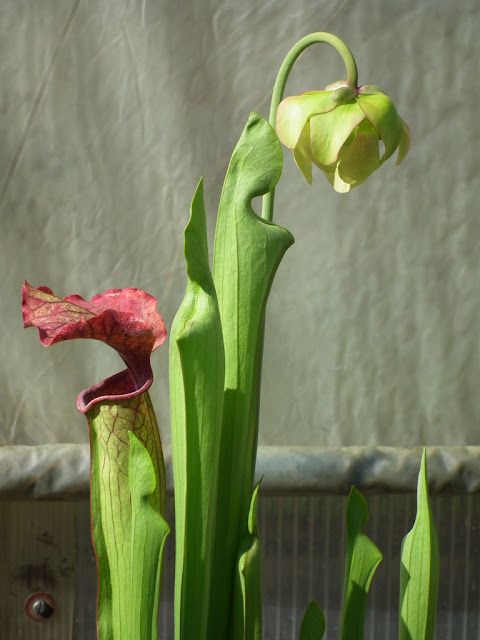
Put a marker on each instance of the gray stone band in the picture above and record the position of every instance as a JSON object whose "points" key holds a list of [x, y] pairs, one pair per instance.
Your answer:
{"points": [[61, 471]]}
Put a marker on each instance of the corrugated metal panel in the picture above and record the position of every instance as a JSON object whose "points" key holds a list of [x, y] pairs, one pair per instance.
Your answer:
{"points": [[46, 546]]}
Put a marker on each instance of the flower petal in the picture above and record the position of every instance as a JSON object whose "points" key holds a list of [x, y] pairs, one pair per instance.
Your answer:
{"points": [[329, 131], [405, 141], [293, 113], [302, 154], [361, 158], [125, 319], [336, 181], [382, 114], [371, 89]]}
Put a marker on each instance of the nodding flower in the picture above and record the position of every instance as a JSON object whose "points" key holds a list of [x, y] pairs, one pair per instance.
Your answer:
{"points": [[339, 130]]}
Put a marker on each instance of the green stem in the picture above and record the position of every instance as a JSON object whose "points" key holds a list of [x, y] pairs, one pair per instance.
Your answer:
{"points": [[281, 81]]}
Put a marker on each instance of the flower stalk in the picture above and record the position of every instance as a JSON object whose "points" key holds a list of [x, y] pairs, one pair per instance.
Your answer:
{"points": [[320, 37]]}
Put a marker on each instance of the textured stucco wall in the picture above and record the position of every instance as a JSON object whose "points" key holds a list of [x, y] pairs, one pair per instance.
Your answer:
{"points": [[110, 113]]}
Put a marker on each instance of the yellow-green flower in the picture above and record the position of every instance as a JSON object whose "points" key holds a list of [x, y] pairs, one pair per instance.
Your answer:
{"points": [[339, 130]]}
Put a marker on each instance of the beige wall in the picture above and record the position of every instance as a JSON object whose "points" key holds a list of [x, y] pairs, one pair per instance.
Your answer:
{"points": [[111, 111]]}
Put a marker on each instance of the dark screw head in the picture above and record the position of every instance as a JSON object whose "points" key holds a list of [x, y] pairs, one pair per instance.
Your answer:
{"points": [[39, 606]]}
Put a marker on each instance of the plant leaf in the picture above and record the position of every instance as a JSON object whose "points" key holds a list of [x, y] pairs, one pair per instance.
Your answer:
{"points": [[196, 392], [149, 532], [362, 559], [125, 319], [248, 597], [111, 511], [313, 623], [247, 253], [419, 569]]}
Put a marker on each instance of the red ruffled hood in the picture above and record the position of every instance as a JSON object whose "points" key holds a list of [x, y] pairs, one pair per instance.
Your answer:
{"points": [[125, 319]]}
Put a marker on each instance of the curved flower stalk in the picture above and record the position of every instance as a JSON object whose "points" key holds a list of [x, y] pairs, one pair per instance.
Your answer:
{"points": [[127, 490], [338, 129], [341, 130]]}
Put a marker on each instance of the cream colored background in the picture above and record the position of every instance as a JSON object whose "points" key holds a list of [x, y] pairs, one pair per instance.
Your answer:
{"points": [[110, 112]]}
